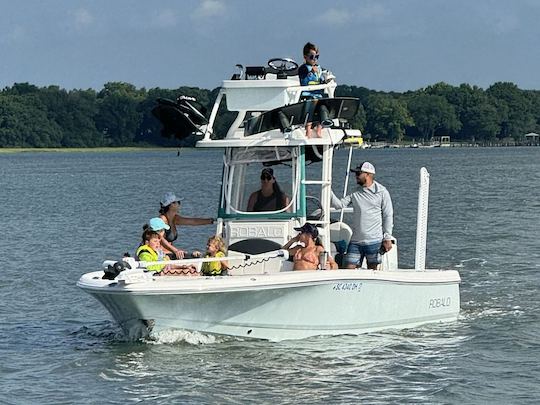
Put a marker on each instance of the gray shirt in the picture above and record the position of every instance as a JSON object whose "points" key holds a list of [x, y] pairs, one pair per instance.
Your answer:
{"points": [[373, 213]]}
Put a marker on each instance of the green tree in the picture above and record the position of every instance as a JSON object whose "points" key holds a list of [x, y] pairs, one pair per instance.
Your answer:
{"points": [[74, 112], [24, 123], [118, 115], [387, 117], [433, 113], [515, 108]]}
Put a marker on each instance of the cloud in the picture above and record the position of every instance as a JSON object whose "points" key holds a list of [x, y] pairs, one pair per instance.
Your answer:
{"points": [[373, 12], [335, 16], [82, 18], [209, 8], [369, 12], [165, 18]]}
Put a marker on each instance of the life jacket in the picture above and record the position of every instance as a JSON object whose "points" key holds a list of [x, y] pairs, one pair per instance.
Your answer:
{"points": [[212, 268], [146, 254]]}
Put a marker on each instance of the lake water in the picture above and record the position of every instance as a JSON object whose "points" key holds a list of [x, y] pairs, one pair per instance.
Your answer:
{"points": [[64, 213]]}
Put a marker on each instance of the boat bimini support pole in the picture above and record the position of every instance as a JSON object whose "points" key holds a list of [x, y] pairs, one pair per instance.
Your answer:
{"points": [[421, 222], [345, 188]]}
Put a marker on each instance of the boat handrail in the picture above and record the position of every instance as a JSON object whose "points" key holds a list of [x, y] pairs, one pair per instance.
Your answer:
{"points": [[282, 254]]}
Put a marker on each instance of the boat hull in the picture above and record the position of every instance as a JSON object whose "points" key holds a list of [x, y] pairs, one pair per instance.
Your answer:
{"points": [[292, 305]]}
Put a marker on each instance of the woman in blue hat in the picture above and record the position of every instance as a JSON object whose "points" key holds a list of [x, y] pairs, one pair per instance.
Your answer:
{"points": [[169, 212]]}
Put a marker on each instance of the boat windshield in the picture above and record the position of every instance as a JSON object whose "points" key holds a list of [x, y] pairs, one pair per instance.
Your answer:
{"points": [[261, 181]]}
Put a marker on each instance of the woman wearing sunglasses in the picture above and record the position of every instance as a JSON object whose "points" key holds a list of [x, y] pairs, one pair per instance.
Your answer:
{"points": [[269, 197], [310, 74]]}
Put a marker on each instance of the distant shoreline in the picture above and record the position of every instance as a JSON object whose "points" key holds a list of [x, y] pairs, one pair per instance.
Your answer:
{"points": [[176, 149], [99, 149]]}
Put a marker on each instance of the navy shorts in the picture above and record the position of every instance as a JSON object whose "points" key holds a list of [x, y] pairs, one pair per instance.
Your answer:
{"points": [[356, 253]]}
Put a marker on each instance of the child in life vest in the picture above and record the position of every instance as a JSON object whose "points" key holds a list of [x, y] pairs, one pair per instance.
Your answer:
{"points": [[310, 74], [151, 251], [215, 247]]}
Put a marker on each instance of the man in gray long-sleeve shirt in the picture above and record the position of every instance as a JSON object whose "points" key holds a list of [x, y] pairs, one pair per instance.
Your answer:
{"points": [[373, 218]]}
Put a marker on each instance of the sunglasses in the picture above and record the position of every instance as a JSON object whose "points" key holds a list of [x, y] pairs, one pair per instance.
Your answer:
{"points": [[266, 177], [313, 56]]}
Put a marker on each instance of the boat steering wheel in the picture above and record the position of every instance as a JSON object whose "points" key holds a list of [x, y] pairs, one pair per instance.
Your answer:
{"points": [[286, 66]]}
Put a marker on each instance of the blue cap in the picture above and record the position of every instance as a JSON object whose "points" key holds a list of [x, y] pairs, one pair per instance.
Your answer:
{"points": [[157, 224]]}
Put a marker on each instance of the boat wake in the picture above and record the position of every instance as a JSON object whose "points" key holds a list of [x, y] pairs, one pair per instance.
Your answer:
{"points": [[175, 336]]}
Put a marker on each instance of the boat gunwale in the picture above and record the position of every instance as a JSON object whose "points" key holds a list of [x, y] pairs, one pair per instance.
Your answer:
{"points": [[252, 282]]}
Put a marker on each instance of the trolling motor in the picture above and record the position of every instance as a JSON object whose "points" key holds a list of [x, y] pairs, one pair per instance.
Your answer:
{"points": [[112, 271]]}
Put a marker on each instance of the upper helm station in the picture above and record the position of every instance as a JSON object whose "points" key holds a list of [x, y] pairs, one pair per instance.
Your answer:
{"points": [[269, 131]]}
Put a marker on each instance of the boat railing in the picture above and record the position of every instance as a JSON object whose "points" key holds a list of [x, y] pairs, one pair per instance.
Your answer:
{"points": [[259, 95], [281, 253], [129, 270]]}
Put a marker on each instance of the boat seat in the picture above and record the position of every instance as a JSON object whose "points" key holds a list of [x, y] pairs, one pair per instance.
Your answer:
{"points": [[340, 236], [254, 246]]}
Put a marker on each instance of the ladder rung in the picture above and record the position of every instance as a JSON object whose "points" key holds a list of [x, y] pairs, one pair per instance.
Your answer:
{"points": [[316, 182], [319, 222]]}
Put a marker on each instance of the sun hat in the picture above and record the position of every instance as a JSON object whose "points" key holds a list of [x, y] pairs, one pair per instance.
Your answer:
{"points": [[309, 229], [157, 224], [365, 167], [169, 198]]}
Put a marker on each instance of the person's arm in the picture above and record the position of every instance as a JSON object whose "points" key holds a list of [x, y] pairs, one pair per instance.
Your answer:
{"points": [[387, 220], [224, 263], [387, 215], [340, 203], [332, 262], [168, 246], [287, 246], [179, 220]]}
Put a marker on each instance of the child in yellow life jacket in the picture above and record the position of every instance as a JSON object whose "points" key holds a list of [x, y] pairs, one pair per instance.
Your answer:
{"points": [[215, 247], [151, 251]]}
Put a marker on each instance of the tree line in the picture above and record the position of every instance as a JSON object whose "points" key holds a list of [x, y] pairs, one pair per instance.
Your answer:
{"points": [[120, 114]]}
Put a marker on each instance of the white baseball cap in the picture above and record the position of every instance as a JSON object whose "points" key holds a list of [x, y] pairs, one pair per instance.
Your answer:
{"points": [[169, 198], [365, 167]]}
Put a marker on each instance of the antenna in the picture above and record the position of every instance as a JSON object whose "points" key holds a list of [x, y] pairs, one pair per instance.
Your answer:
{"points": [[421, 222]]}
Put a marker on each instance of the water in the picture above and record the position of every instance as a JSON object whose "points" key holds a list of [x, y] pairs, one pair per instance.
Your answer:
{"points": [[62, 214]]}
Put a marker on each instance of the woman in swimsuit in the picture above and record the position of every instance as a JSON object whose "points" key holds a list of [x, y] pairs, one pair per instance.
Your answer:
{"points": [[170, 214], [269, 197], [306, 257]]}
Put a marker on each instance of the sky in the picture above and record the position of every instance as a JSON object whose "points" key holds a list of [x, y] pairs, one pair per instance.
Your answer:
{"points": [[386, 45]]}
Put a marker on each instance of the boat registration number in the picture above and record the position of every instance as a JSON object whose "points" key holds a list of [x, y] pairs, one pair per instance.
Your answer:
{"points": [[351, 286]]}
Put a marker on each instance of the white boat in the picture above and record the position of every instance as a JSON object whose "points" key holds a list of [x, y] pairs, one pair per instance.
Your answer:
{"points": [[262, 297]]}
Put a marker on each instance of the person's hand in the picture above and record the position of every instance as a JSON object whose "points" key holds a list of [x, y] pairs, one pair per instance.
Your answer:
{"points": [[179, 254], [387, 244]]}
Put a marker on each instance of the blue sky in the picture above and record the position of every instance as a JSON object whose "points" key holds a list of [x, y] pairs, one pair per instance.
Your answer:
{"points": [[384, 45]]}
